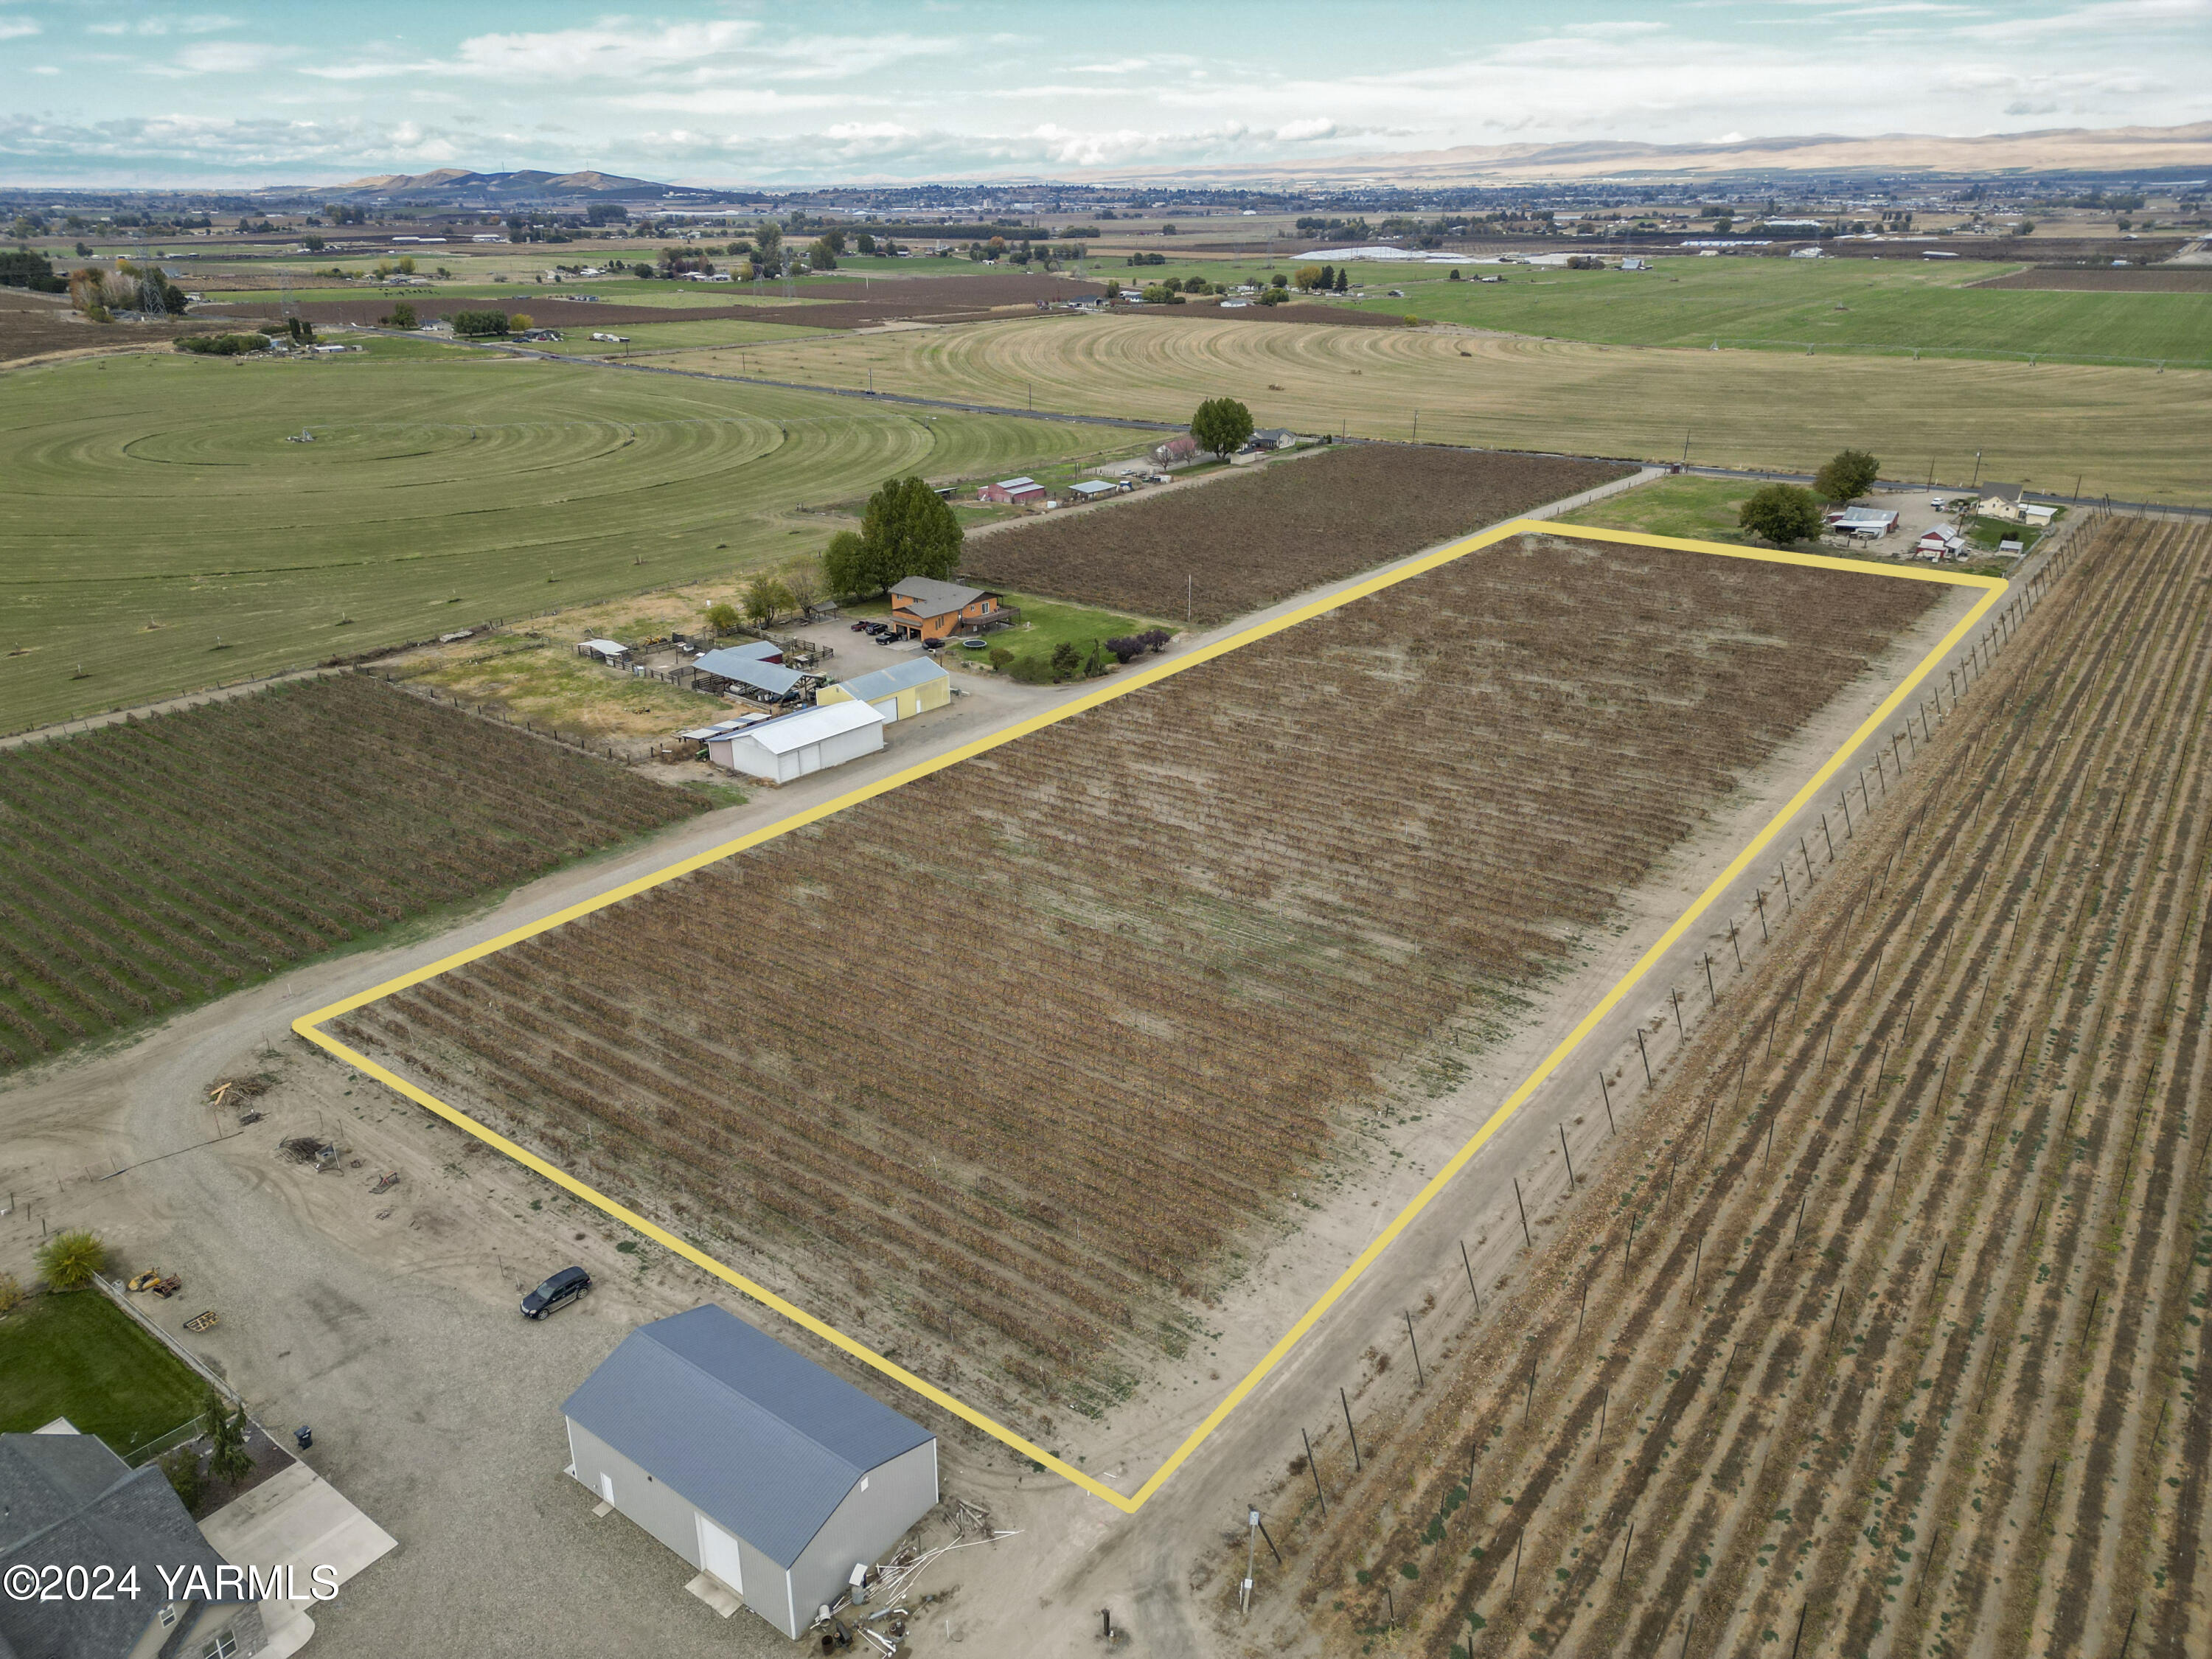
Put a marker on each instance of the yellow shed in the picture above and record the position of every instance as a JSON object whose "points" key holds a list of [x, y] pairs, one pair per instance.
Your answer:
{"points": [[897, 693]]}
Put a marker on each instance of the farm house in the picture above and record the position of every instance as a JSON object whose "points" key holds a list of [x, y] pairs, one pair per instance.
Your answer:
{"points": [[750, 1462], [926, 609], [792, 745], [899, 692]]}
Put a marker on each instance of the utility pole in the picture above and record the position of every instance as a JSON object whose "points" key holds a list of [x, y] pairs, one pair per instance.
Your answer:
{"points": [[1251, 1550]]}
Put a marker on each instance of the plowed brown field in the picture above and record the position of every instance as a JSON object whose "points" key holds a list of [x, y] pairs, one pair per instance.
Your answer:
{"points": [[1242, 542], [999, 1071], [1892, 1314]]}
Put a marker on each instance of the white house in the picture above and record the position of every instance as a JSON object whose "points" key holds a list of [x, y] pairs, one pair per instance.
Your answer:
{"points": [[790, 746]]}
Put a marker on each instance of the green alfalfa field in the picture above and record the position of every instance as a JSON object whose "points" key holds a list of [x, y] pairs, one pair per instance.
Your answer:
{"points": [[159, 531]]}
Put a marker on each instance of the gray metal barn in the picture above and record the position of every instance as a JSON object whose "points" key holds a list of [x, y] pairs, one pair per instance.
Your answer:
{"points": [[749, 1460]]}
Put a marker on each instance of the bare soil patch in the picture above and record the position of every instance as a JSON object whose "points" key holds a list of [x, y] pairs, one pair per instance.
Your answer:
{"points": [[1155, 971], [932, 299], [1242, 543], [2107, 280], [43, 326]]}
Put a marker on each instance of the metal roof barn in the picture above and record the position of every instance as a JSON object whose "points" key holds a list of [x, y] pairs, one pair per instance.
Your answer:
{"points": [[750, 1460], [750, 672], [792, 745]]}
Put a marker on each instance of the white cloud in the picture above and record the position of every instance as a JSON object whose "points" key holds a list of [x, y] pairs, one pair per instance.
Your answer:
{"points": [[17, 28], [1304, 132], [220, 57], [603, 50], [2119, 18]]}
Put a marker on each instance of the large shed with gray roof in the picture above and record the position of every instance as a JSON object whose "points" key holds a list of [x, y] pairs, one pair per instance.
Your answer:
{"points": [[750, 1462]]}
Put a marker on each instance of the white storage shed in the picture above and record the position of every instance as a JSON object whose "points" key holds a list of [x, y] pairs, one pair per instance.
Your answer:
{"points": [[791, 745], [750, 1462]]}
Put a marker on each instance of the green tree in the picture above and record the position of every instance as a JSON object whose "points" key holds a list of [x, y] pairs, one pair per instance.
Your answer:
{"points": [[182, 1466], [401, 316], [1067, 661], [845, 566], [766, 598], [1221, 425], [70, 1260], [909, 530], [1343, 278], [1307, 277], [723, 618], [1781, 514], [821, 256], [229, 1456], [1848, 475]]}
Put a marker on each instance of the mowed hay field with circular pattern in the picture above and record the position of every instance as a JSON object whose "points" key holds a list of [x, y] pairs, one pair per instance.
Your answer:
{"points": [[159, 534], [2134, 433]]}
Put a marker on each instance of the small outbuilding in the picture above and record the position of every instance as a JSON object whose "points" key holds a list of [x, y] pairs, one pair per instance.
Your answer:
{"points": [[1093, 490], [899, 692], [752, 651], [752, 680], [606, 651], [790, 746], [750, 1462], [1862, 521]]}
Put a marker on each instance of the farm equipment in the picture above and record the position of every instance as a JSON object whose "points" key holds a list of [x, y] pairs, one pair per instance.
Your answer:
{"points": [[205, 1321], [386, 1182], [164, 1285]]}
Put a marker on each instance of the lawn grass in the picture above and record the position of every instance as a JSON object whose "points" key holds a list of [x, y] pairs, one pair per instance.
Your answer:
{"points": [[1987, 533], [1047, 623], [1696, 509], [81, 1357], [159, 534]]}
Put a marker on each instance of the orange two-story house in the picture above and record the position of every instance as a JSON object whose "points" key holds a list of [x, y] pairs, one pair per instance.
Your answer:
{"points": [[923, 608]]}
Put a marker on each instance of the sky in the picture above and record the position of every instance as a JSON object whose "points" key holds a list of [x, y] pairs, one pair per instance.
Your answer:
{"points": [[259, 92]]}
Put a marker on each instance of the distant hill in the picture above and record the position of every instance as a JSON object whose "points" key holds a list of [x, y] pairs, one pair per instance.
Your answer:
{"points": [[2057, 149], [456, 187]]}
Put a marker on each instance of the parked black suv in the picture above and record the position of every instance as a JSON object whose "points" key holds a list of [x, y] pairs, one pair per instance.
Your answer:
{"points": [[555, 1293]]}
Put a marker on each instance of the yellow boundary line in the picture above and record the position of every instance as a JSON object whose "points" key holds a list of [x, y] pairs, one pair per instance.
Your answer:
{"points": [[309, 1026]]}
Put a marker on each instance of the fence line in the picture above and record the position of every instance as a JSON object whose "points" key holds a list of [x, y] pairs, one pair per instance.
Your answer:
{"points": [[118, 1296]]}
